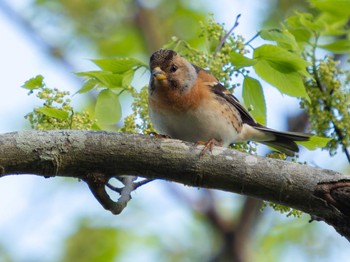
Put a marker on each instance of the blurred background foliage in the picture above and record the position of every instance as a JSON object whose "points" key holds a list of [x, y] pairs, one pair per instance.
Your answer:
{"points": [[110, 28], [194, 225]]}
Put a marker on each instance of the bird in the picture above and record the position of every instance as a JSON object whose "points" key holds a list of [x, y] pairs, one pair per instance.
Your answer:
{"points": [[187, 102]]}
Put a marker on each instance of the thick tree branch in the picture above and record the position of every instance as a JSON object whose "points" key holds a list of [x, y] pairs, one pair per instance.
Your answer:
{"points": [[324, 194]]}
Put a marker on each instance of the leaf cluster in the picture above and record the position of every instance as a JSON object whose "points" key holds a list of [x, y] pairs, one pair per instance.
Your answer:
{"points": [[56, 111], [111, 81]]}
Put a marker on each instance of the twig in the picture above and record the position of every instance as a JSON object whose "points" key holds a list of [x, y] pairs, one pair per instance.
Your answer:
{"points": [[143, 182], [249, 41], [125, 194], [223, 39], [98, 182], [116, 189]]}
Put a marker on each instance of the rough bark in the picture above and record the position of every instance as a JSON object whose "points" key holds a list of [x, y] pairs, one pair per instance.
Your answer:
{"points": [[95, 157]]}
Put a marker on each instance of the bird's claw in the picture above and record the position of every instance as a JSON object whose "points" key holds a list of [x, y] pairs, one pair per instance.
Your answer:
{"points": [[208, 145]]}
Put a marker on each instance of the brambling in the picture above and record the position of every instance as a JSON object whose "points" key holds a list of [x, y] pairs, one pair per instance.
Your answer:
{"points": [[186, 102]]}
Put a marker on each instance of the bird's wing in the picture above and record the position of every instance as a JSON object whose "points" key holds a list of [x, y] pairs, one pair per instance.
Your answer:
{"points": [[219, 90]]}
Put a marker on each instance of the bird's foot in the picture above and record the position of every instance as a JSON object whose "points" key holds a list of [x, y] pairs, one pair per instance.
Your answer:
{"points": [[208, 145]]}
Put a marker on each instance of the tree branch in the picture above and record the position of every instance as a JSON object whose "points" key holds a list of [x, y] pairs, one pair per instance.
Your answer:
{"points": [[95, 157]]}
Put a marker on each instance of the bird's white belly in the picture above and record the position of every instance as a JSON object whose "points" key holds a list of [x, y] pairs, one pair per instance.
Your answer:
{"points": [[200, 124]]}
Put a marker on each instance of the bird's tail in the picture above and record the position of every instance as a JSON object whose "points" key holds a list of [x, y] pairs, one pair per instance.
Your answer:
{"points": [[282, 141]]}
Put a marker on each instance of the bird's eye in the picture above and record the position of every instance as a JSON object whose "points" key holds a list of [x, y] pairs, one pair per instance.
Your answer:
{"points": [[173, 68]]}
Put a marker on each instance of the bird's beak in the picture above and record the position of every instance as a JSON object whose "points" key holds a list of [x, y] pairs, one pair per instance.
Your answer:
{"points": [[158, 74]]}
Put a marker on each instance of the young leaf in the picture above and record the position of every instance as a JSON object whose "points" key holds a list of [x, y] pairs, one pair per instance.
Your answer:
{"points": [[253, 97], [301, 33], [336, 7], [89, 85], [281, 59], [315, 142], [341, 46], [106, 79], [34, 83], [118, 65], [333, 25], [282, 37], [307, 20], [239, 60], [107, 109], [54, 112], [289, 83], [127, 77]]}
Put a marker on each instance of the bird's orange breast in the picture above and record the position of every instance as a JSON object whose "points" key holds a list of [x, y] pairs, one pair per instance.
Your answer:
{"points": [[165, 98]]}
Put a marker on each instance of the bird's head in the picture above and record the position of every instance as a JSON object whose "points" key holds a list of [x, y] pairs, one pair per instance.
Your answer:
{"points": [[172, 71]]}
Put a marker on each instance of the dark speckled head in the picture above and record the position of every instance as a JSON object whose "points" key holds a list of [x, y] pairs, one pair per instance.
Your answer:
{"points": [[171, 71], [162, 58]]}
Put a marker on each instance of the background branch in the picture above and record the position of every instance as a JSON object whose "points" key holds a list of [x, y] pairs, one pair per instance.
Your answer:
{"points": [[80, 154], [33, 35]]}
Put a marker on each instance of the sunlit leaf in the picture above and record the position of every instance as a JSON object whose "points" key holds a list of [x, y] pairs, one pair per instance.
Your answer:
{"points": [[282, 69], [127, 77], [301, 35], [337, 7], [106, 79], [253, 97], [108, 108], [239, 60], [282, 37], [339, 47], [118, 65], [89, 85], [314, 142], [307, 20], [54, 112], [34, 83], [299, 31], [289, 83], [281, 59], [333, 25]]}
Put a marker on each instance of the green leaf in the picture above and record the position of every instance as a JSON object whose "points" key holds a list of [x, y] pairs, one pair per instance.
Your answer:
{"points": [[295, 27], [106, 79], [301, 35], [282, 37], [333, 25], [335, 7], [127, 77], [339, 47], [307, 20], [54, 112], [282, 69], [253, 97], [34, 83], [289, 83], [239, 60], [281, 59], [118, 65], [108, 108], [315, 142], [89, 85]]}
